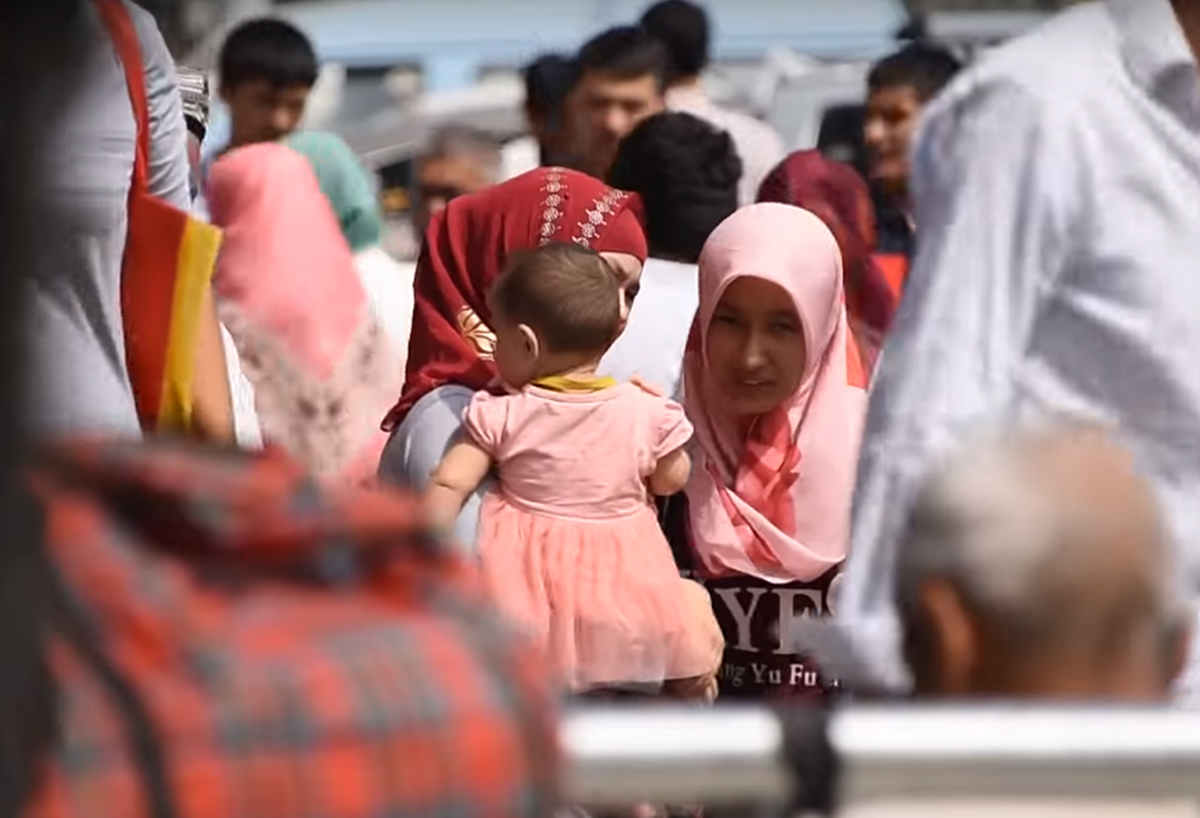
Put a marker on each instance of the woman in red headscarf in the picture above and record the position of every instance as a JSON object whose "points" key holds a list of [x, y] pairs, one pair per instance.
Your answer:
{"points": [[466, 247], [839, 196]]}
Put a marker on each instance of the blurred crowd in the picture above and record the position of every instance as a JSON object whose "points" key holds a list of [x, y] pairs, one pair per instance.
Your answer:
{"points": [[662, 412]]}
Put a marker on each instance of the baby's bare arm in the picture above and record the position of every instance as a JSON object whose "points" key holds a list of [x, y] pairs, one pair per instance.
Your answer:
{"points": [[671, 474], [461, 471]]}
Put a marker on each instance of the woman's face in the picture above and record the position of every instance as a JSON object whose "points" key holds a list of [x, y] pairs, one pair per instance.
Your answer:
{"points": [[755, 347], [629, 274]]}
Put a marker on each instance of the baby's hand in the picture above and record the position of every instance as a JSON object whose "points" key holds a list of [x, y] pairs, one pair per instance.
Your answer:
{"points": [[647, 387]]}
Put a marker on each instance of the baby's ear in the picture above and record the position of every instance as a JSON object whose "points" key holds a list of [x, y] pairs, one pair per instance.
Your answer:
{"points": [[529, 340]]}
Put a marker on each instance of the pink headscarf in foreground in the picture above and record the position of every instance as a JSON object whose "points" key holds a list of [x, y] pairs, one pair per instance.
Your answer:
{"points": [[287, 289], [776, 504]]}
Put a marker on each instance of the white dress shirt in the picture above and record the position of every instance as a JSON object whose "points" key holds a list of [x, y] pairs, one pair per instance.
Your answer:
{"points": [[757, 144], [1057, 185]]}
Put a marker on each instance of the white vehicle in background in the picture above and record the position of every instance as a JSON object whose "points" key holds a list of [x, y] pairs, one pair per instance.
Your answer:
{"points": [[398, 133]]}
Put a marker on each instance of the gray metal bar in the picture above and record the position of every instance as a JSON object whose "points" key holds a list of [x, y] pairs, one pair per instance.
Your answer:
{"points": [[623, 755], [1003, 751]]}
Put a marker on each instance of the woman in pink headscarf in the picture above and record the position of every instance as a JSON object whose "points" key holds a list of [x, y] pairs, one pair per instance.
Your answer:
{"points": [[322, 367], [775, 388]]}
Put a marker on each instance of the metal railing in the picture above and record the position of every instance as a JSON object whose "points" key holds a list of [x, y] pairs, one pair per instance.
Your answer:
{"points": [[815, 761]]}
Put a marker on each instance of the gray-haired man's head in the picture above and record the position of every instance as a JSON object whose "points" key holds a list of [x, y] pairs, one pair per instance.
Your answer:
{"points": [[1036, 565], [459, 160]]}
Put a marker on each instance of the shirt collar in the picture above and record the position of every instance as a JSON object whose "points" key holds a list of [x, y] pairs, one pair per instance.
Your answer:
{"points": [[689, 96], [1152, 41]]}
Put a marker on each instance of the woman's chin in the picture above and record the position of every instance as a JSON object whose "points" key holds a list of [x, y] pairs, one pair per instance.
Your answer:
{"points": [[750, 402]]}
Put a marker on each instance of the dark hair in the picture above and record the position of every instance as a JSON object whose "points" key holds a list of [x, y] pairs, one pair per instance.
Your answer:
{"points": [[548, 82], [268, 49], [926, 68], [568, 294], [687, 173], [682, 27], [627, 53]]}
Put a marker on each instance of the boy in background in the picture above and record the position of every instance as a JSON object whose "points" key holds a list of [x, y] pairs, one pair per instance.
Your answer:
{"points": [[268, 67], [898, 89]]}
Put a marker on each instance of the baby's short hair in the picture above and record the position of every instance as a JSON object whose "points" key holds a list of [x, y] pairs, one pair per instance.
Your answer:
{"points": [[566, 293]]}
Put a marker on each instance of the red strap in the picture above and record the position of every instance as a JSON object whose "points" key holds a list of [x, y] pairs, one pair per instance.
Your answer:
{"points": [[124, 38]]}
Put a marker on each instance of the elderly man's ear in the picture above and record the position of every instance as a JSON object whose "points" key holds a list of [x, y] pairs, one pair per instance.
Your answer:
{"points": [[1179, 647], [943, 643]]}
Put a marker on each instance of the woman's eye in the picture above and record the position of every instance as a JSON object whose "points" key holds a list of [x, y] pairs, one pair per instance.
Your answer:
{"points": [[727, 320], [784, 327]]}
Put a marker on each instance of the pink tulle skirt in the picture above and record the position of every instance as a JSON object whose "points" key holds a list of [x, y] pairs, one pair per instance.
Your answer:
{"points": [[603, 597]]}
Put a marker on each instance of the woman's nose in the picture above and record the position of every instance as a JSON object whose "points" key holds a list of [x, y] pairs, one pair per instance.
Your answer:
{"points": [[754, 355]]}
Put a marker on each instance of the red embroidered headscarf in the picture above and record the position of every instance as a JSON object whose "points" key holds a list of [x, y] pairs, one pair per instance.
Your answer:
{"points": [[839, 196], [467, 246]]}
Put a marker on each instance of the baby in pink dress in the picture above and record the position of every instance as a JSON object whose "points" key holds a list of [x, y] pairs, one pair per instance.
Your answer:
{"points": [[569, 540]]}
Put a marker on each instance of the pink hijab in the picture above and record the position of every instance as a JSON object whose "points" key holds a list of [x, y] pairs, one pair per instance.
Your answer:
{"points": [[776, 504], [288, 291]]}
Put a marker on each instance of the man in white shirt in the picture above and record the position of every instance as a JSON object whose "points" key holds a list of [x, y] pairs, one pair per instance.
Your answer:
{"points": [[1056, 185], [683, 28]]}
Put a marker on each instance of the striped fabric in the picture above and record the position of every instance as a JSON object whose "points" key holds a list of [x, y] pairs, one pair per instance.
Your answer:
{"points": [[293, 653]]}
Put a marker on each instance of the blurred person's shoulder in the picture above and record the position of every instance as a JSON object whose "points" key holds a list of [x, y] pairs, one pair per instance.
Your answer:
{"points": [[142, 19], [1060, 65], [149, 35]]}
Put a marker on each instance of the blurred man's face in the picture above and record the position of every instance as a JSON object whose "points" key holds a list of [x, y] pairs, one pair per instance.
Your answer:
{"points": [[891, 119], [441, 179], [262, 112], [606, 109]]}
